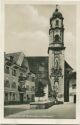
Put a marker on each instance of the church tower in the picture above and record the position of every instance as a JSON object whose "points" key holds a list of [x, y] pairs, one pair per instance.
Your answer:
{"points": [[56, 55]]}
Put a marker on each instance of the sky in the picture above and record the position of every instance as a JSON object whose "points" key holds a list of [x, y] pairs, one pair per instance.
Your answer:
{"points": [[27, 29]]}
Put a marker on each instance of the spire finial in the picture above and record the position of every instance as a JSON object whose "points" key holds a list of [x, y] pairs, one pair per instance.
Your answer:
{"points": [[57, 7]]}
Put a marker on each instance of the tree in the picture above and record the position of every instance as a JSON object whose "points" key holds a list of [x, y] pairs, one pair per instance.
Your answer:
{"points": [[40, 90]]}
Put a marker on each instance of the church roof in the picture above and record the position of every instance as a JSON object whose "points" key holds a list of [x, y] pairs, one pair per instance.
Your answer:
{"points": [[72, 75], [32, 61], [68, 66]]}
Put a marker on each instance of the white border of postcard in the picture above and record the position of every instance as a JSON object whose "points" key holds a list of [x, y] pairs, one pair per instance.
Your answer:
{"points": [[2, 30]]}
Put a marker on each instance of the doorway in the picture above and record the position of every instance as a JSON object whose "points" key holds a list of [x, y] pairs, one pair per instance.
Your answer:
{"points": [[21, 98], [74, 98]]}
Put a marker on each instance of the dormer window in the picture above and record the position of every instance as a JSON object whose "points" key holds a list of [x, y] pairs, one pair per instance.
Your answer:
{"points": [[11, 58], [7, 69], [7, 84], [14, 72]]}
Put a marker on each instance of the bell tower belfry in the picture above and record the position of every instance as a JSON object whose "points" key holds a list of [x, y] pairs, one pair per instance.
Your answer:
{"points": [[56, 55]]}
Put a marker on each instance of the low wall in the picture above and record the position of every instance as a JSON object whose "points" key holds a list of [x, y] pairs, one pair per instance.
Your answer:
{"points": [[41, 105]]}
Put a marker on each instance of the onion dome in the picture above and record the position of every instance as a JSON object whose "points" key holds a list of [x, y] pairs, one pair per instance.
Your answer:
{"points": [[57, 14]]}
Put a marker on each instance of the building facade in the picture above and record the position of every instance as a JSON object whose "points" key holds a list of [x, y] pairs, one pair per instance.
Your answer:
{"points": [[16, 72], [72, 87]]}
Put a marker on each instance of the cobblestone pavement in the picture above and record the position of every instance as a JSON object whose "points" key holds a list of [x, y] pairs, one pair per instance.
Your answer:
{"points": [[27, 106], [12, 109], [64, 111]]}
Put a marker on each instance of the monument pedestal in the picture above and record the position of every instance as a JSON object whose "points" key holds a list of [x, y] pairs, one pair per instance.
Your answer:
{"points": [[41, 105]]}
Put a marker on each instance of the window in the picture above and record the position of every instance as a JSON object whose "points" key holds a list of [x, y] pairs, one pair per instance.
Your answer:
{"points": [[11, 58], [32, 97], [57, 22], [14, 72], [6, 96], [33, 79], [32, 88], [73, 86], [13, 97], [6, 84], [27, 87], [21, 74], [28, 98], [14, 85], [56, 37], [7, 69], [10, 95]]}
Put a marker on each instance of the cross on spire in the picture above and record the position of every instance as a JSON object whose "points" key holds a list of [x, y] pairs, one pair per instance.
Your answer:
{"points": [[57, 6]]}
